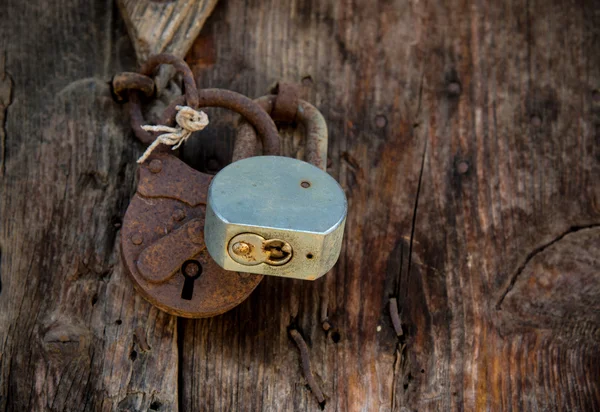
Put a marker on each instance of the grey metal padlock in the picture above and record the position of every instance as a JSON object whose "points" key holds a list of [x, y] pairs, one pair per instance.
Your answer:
{"points": [[276, 216]]}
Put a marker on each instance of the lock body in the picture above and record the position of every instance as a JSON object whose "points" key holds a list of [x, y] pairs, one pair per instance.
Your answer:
{"points": [[163, 248], [275, 216]]}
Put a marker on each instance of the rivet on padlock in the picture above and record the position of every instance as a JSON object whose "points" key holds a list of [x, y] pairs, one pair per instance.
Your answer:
{"points": [[275, 215]]}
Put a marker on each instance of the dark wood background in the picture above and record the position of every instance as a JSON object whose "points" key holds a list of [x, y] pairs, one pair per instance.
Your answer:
{"points": [[466, 134]]}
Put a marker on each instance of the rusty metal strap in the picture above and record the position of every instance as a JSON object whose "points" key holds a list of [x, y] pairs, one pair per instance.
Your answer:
{"points": [[285, 105], [142, 82], [249, 109], [252, 111], [191, 91], [136, 83], [306, 114], [122, 83]]}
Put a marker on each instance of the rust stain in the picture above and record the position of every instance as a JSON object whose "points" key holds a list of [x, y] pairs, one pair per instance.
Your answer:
{"points": [[203, 53]]}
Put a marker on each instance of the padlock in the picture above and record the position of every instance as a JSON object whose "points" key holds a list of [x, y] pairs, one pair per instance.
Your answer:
{"points": [[162, 237], [275, 215], [162, 243]]}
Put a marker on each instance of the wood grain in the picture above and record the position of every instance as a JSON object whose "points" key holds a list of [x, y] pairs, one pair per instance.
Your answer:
{"points": [[164, 26], [5, 100], [67, 310], [466, 136]]}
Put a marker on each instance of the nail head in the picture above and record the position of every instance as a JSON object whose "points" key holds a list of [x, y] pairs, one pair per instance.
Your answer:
{"points": [[454, 89], [380, 121], [462, 167]]}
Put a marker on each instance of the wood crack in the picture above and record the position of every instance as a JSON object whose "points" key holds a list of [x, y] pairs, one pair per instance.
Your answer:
{"points": [[416, 121], [395, 317], [6, 85], [180, 372], [535, 252], [414, 223], [395, 368], [1, 281], [395, 312]]}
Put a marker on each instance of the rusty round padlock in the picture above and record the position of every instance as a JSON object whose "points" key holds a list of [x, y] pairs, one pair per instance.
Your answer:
{"points": [[162, 239], [163, 246]]}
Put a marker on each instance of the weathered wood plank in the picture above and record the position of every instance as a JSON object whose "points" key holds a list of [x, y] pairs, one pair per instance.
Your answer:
{"points": [[5, 100], [466, 137], [486, 113], [68, 313], [164, 26]]}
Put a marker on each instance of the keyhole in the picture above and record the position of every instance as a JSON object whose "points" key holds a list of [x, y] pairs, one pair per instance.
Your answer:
{"points": [[278, 251], [191, 270]]}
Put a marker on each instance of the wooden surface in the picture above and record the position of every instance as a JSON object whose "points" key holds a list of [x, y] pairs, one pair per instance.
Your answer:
{"points": [[164, 26], [466, 136]]}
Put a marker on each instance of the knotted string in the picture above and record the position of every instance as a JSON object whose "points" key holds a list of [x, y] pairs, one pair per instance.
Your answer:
{"points": [[188, 120]]}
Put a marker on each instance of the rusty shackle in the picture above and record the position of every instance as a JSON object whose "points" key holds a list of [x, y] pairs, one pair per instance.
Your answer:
{"points": [[285, 106], [134, 85]]}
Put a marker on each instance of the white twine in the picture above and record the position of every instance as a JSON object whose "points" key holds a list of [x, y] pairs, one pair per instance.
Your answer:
{"points": [[188, 121]]}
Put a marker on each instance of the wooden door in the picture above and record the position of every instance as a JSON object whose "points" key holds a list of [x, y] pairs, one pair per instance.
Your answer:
{"points": [[466, 136]]}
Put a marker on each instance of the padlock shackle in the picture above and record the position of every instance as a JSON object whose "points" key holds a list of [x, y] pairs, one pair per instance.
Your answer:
{"points": [[136, 83], [316, 134], [307, 114], [249, 109]]}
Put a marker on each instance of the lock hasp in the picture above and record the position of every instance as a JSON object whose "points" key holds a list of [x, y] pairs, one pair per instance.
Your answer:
{"points": [[271, 208]]}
